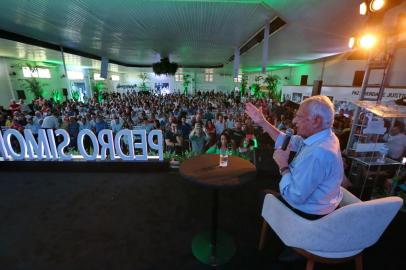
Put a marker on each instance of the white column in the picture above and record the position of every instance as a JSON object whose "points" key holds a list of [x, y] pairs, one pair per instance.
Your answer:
{"points": [[236, 62], [265, 47]]}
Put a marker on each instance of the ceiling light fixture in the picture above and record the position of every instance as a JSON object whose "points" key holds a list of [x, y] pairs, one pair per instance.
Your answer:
{"points": [[367, 41], [363, 8], [351, 42], [376, 5]]}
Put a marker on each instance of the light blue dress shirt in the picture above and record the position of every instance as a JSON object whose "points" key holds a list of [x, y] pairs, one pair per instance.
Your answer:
{"points": [[313, 183]]}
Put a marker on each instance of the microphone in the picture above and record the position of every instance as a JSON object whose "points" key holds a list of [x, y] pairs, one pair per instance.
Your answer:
{"points": [[288, 136]]}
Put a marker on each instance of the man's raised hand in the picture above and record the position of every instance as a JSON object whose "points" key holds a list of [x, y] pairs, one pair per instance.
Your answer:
{"points": [[255, 114]]}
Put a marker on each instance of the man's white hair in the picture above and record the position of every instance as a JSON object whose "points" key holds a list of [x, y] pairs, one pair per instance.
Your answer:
{"points": [[323, 107]]}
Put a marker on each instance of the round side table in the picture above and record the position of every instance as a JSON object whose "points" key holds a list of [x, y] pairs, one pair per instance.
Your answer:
{"points": [[214, 247]]}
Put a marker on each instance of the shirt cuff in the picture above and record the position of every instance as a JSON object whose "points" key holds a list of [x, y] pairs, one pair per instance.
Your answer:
{"points": [[279, 140], [285, 181]]}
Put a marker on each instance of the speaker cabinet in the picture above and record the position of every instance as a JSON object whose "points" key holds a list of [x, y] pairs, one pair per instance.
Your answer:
{"points": [[104, 67], [21, 94], [317, 84]]}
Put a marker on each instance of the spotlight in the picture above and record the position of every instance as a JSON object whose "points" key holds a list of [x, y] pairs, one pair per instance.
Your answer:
{"points": [[351, 42], [376, 5], [363, 8], [367, 41]]}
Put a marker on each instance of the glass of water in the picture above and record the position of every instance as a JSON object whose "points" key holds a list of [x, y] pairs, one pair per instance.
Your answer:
{"points": [[223, 158]]}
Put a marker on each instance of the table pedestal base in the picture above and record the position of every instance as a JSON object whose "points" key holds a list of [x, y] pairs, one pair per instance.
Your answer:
{"points": [[206, 253]]}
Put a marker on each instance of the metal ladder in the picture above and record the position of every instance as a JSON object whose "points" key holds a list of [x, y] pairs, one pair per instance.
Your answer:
{"points": [[383, 64]]}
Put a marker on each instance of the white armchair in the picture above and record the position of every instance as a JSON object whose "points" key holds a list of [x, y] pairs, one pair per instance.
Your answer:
{"points": [[339, 236]]}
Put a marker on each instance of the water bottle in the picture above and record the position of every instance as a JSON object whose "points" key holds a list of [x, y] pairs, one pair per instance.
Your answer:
{"points": [[223, 157], [383, 151]]}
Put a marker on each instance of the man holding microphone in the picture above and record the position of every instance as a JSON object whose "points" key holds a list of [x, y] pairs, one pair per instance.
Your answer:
{"points": [[310, 184]]}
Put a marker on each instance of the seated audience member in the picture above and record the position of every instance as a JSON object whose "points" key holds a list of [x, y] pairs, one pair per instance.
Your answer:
{"points": [[115, 124], [2, 120], [9, 121], [210, 129], [100, 124], [24, 107], [174, 139], [396, 141], [230, 123], [14, 106], [73, 131], [147, 125], [223, 144], [220, 125], [32, 126], [16, 125], [198, 139], [51, 121], [246, 148], [184, 128]]}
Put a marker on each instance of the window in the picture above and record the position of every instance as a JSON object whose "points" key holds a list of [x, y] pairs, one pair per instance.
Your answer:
{"points": [[36, 73], [358, 78], [238, 79], [209, 74], [96, 77], [75, 75], [179, 75], [115, 77]]}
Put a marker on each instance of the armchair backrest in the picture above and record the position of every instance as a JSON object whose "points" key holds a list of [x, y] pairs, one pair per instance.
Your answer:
{"points": [[355, 226], [351, 228]]}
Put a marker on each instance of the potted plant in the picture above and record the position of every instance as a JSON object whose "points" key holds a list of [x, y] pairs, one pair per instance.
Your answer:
{"points": [[98, 90], [272, 82], [244, 83], [255, 87], [57, 96], [186, 82], [144, 78]]}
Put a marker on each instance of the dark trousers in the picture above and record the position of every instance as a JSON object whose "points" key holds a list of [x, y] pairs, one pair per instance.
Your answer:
{"points": [[297, 211]]}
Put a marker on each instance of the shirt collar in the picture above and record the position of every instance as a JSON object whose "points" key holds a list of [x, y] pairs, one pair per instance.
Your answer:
{"points": [[318, 136]]}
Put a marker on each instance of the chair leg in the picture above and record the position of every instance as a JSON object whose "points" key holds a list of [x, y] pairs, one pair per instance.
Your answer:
{"points": [[264, 230], [309, 264], [358, 262]]}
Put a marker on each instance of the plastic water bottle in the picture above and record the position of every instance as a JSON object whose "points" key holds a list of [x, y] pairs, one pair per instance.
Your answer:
{"points": [[383, 151]]}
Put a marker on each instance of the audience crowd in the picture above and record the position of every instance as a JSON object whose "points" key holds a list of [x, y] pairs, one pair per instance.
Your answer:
{"points": [[203, 123]]}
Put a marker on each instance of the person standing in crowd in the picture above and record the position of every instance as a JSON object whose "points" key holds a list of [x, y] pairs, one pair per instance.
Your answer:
{"points": [[198, 139], [50, 121], [310, 184]]}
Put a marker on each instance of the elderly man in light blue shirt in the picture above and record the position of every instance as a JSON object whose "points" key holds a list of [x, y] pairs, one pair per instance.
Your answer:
{"points": [[311, 182]]}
